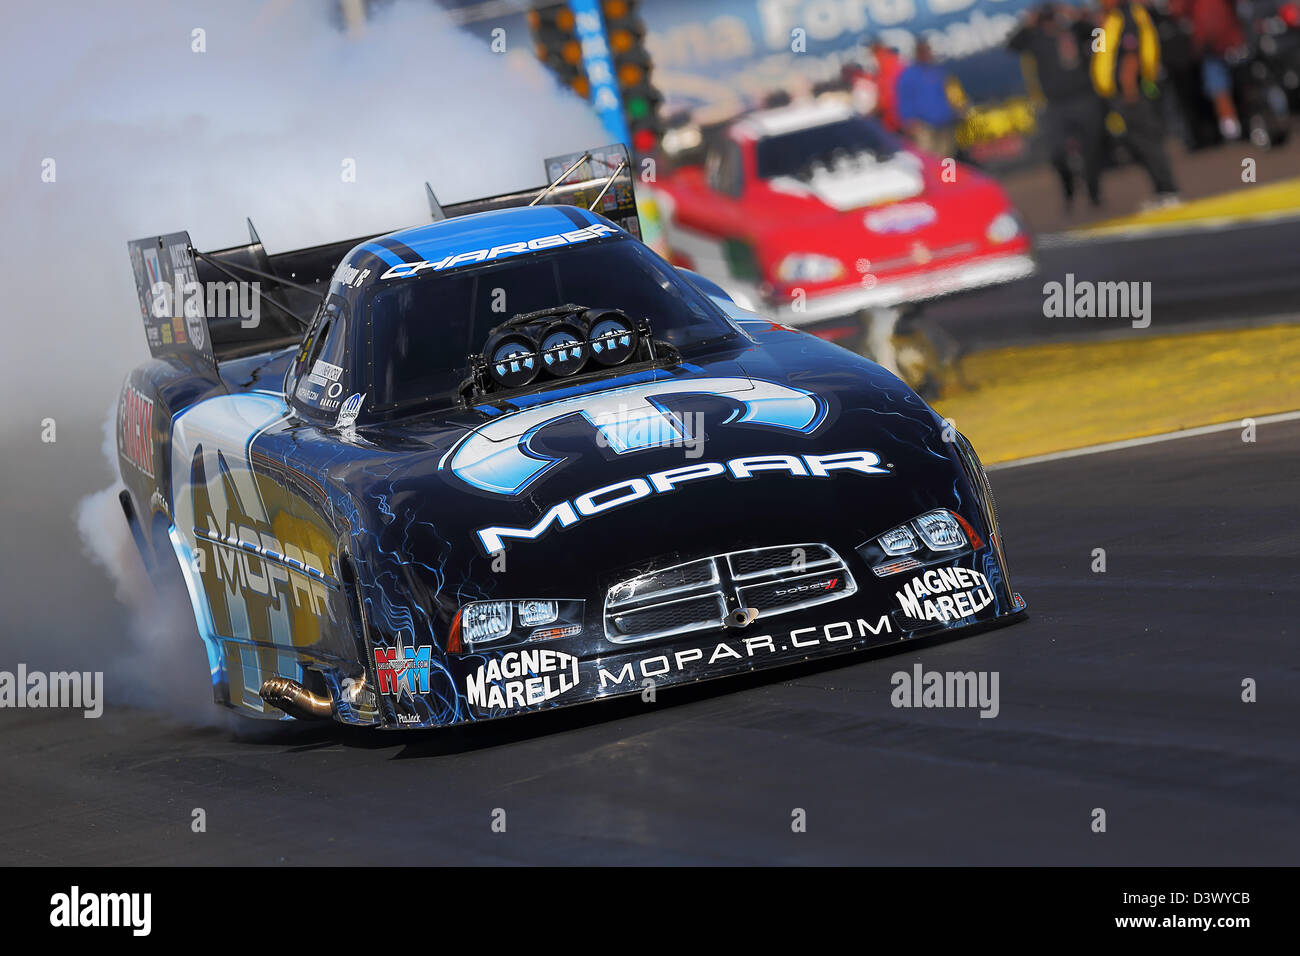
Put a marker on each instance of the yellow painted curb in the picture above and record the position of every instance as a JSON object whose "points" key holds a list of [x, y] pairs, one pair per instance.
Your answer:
{"points": [[1020, 402], [1248, 204]]}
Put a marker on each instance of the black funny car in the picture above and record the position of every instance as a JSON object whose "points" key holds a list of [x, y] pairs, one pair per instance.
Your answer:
{"points": [[512, 459]]}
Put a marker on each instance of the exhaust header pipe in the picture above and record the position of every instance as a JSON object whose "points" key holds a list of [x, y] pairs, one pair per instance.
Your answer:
{"points": [[742, 617], [294, 699]]}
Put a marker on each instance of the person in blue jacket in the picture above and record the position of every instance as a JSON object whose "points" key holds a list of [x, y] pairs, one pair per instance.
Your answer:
{"points": [[928, 101]]}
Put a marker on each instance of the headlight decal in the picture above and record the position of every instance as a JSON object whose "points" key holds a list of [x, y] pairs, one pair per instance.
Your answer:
{"points": [[935, 535], [486, 621], [898, 540], [492, 624], [939, 530]]}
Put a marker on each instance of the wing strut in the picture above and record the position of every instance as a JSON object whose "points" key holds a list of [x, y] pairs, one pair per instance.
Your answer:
{"points": [[563, 176]]}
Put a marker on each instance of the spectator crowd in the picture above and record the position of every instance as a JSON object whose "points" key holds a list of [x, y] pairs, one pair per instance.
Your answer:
{"points": [[1098, 73]]}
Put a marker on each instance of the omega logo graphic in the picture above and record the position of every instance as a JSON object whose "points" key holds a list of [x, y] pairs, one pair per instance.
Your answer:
{"points": [[500, 458]]}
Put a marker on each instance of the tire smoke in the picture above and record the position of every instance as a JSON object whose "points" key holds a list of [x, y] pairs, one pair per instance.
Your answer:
{"points": [[119, 127]]}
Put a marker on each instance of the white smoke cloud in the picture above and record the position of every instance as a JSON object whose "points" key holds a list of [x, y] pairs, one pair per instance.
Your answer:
{"points": [[148, 136], [161, 663]]}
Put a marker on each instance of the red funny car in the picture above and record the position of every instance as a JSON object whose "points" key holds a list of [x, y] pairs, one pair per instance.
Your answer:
{"points": [[815, 215]]}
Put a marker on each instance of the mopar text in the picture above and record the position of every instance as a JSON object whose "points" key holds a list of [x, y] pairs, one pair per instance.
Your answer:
{"points": [[249, 560], [742, 649], [568, 513]]}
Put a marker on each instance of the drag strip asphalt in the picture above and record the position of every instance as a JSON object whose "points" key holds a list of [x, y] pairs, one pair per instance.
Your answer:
{"points": [[1122, 692]]}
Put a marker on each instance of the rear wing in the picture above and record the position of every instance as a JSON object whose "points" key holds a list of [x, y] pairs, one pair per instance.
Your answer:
{"points": [[598, 179], [219, 305], [208, 307]]}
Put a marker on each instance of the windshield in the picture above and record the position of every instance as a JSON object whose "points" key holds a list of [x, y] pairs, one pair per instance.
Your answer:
{"points": [[423, 329], [796, 154]]}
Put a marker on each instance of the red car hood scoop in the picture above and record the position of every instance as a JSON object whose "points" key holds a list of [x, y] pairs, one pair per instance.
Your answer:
{"points": [[858, 182]]}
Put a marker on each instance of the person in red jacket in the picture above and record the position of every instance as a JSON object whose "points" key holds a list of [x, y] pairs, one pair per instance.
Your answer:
{"points": [[888, 65], [1216, 35], [875, 83]]}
